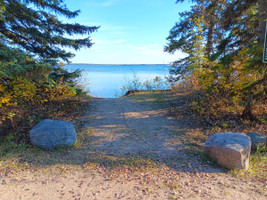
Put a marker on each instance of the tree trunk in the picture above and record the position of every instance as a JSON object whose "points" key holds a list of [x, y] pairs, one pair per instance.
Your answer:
{"points": [[247, 112], [262, 19], [262, 5], [210, 37], [211, 26]]}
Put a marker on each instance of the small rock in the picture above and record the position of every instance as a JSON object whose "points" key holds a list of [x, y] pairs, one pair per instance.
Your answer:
{"points": [[257, 140], [221, 183], [197, 191]]}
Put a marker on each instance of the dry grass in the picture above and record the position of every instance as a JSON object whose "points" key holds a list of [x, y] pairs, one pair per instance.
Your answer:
{"points": [[20, 156], [179, 105]]}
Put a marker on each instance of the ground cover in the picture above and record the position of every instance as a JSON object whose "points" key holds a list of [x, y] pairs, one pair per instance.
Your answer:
{"points": [[129, 148]]}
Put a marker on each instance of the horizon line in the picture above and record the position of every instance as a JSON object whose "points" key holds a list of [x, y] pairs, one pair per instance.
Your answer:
{"points": [[109, 64]]}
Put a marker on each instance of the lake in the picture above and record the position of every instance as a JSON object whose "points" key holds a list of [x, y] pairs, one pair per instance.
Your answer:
{"points": [[106, 81]]}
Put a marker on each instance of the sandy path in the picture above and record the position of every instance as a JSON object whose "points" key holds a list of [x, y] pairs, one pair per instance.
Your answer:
{"points": [[122, 128], [125, 126]]}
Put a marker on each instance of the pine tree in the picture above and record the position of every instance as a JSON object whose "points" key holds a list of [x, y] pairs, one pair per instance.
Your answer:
{"points": [[32, 42], [245, 22], [232, 33], [33, 26], [200, 25]]}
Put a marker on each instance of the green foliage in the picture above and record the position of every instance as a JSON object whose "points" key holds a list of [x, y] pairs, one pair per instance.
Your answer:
{"points": [[134, 84], [223, 41], [257, 167], [33, 26], [33, 84]]}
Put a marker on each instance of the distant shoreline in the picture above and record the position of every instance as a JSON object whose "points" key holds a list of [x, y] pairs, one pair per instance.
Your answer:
{"points": [[111, 64]]}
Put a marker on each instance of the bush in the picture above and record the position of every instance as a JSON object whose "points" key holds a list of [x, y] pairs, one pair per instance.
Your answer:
{"points": [[135, 84], [31, 90]]}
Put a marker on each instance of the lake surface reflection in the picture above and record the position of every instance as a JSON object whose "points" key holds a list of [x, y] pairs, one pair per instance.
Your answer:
{"points": [[107, 80]]}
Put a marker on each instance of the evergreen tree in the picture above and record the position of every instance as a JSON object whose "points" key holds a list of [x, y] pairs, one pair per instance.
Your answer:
{"points": [[32, 41], [197, 32], [232, 33], [245, 23], [33, 26]]}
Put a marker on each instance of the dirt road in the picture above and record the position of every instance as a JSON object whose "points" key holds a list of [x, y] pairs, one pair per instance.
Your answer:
{"points": [[132, 150]]}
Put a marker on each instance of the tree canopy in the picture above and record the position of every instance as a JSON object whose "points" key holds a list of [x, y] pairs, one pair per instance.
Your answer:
{"points": [[223, 41], [33, 26], [32, 45]]}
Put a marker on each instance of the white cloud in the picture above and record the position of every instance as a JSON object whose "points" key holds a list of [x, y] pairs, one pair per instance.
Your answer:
{"points": [[121, 52], [152, 49]]}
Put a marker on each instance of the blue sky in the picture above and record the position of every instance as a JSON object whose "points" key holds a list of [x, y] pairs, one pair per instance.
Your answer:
{"points": [[131, 32]]}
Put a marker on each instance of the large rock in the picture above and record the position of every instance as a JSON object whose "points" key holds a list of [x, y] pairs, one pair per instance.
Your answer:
{"points": [[49, 134], [257, 140], [231, 150]]}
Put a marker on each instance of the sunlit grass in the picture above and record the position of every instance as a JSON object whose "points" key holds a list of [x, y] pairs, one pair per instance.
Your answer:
{"points": [[257, 167]]}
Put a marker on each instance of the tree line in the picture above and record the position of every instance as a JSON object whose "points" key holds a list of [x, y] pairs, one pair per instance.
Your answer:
{"points": [[32, 42], [223, 42]]}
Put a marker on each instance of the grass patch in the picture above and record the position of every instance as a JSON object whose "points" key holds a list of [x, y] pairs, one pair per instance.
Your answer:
{"points": [[16, 157], [117, 162], [257, 167], [162, 99], [194, 135], [20, 154]]}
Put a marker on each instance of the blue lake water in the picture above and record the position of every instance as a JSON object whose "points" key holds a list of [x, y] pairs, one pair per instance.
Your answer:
{"points": [[106, 81]]}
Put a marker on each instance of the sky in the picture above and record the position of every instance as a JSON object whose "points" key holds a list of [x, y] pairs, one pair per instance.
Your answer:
{"points": [[131, 31]]}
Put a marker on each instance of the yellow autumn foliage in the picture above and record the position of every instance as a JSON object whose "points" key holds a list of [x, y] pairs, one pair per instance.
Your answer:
{"points": [[23, 92]]}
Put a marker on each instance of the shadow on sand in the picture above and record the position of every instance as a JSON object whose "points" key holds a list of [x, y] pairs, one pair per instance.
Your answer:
{"points": [[129, 132]]}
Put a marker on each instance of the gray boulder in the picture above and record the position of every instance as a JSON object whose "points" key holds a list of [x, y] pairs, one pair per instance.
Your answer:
{"points": [[231, 150], [257, 140], [49, 134]]}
